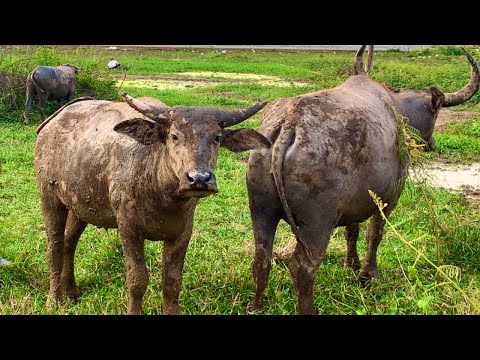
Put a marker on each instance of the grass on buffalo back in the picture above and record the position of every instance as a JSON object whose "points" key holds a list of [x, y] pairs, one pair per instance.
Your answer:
{"points": [[217, 274]]}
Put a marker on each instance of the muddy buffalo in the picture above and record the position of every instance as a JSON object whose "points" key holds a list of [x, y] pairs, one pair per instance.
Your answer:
{"points": [[411, 102], [328, 149], [139, 166], [49, 83]]}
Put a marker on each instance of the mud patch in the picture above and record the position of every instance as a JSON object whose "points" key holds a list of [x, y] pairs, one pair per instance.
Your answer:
{"points": [[472, 196], [166, 84], [266, 80], [197, 79], [461, 178], [454, 176]]}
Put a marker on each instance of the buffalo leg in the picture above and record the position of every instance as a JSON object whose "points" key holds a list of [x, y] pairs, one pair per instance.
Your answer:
{"points": [[55, 216], [303, 269], [28, 103], [351, 235], [374, 236], [172, 273], [73, 230], [137, 273], [42, 102], [264, 228], [70, 95], [266, 211], [431, 144]]}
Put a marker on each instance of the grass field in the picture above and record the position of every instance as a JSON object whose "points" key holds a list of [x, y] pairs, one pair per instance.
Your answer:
{"points": [[433, 231]]}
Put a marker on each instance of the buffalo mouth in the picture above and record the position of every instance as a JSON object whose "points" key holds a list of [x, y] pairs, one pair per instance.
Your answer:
{"points": [[198, 191]]}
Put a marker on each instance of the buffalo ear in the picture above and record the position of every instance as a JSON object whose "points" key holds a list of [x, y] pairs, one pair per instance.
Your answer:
{"points": [[144, 131], [438, 97], [244, 139]]}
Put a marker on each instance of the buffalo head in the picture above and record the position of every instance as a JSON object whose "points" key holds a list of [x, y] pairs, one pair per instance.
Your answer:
{"points": [[192, 137], [75, 68]]}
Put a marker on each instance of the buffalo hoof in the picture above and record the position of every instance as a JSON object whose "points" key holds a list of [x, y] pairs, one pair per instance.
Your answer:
{"points": [[352, 263], [366, 275], [311, 311], [72, 293], [137, 312], [168, 311], [26, 120], [255, 306]]}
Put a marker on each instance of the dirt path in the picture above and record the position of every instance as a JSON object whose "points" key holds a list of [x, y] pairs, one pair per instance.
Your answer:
{"points": [[447, 116]]}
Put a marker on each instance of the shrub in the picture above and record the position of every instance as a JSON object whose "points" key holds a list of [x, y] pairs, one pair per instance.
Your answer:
{"points": [[449, 50]]}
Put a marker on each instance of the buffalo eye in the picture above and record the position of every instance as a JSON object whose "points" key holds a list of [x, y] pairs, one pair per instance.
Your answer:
{"points": [[218, 138], [174, 137]]}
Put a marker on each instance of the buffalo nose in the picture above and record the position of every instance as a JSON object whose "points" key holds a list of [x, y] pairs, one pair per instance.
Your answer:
{"points": [[198, 177]]}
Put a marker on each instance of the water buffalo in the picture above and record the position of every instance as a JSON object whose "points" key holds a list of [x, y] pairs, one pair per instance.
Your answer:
{"points": [[409, 101], [329, 148], [49, 83], [139, 166]]}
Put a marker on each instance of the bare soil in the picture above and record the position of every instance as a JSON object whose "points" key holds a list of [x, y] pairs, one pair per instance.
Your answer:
{"points": [[448, 116], [204, 78], [457, 177]]}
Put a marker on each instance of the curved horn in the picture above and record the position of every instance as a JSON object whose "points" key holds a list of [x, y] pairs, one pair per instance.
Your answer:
{"points": [[149, 111], [462, 95], [357, 65], [230, 118], [369, 64]]}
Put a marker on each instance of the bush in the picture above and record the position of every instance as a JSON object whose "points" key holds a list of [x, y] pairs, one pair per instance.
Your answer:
{"points": [[48, 56], [449, 50], [12, 95], [100, 86]]}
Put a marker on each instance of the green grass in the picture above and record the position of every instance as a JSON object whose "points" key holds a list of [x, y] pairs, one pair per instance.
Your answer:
{"points": [[217, 274], [458, 141]]}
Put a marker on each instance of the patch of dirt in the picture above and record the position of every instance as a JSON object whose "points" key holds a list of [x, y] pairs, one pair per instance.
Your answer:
{"points": [[447, 116], [471, 196], [166, 83], [457, 177], [204, 78], [453, 176], [267, 80]]}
